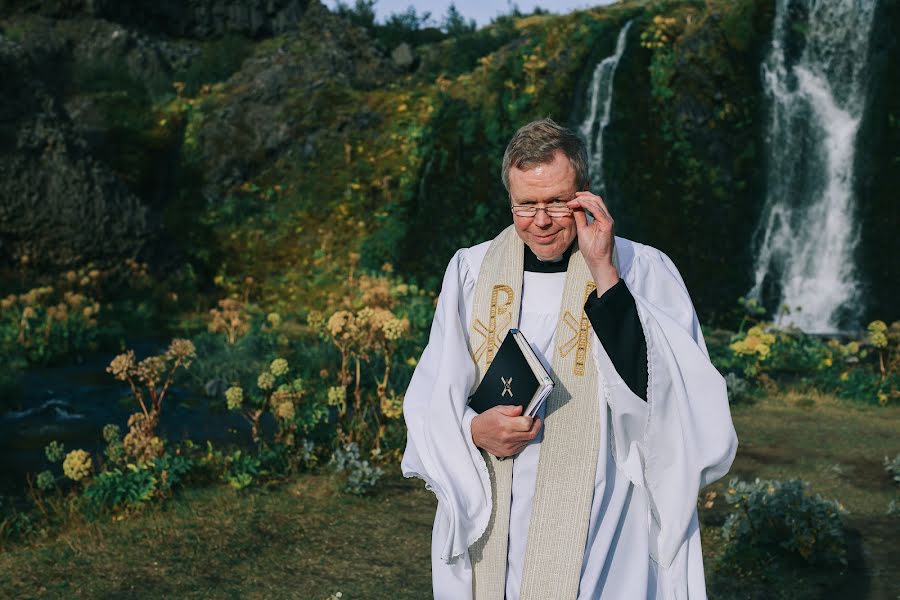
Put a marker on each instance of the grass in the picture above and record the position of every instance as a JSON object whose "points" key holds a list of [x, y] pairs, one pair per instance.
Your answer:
{"points": [[303, 539]]}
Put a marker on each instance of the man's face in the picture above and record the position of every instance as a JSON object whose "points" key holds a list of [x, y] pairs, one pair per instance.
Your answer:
{"points": [[542, 186]]}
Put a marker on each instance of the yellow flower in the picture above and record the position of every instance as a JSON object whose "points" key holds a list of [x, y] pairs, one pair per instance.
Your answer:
{"points": [[877, 327], [265, 381], [274, 319], [234, 396], [77, 465], [337, 395], [392, 406], [394, 328], [278, 367], [827, 361], [845, 376]]}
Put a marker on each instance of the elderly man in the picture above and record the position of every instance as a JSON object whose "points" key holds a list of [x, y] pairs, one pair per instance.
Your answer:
{"points": [[595, 497]]}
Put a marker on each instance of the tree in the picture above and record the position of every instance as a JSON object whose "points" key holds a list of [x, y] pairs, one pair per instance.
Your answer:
{"points": [[455, 24]]}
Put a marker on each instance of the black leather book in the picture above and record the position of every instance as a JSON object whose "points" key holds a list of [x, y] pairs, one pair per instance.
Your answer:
{"points": [[516, 376]]}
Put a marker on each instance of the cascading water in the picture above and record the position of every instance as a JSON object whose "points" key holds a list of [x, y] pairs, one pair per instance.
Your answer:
{"points": [[814, 77], [600, 95]]}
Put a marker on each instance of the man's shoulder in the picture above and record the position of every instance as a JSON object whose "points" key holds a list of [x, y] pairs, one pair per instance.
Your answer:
{"points": [[472, 257], [631, 254]]}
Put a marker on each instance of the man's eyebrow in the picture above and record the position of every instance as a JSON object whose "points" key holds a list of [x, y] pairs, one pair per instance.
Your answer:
{"points": [[559, 198]]}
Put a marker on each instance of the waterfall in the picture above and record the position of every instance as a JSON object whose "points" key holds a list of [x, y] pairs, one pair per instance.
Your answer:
{"points": [[600, 95], [814, 79]]}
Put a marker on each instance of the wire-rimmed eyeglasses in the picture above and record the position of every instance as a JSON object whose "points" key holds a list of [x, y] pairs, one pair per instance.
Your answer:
{"points": [[556, 211]]}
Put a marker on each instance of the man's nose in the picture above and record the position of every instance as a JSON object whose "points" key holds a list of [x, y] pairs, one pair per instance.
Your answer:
{"points": [[542, 219]]}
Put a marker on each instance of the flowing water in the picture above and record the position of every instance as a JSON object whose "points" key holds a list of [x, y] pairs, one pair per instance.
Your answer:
{"points": [[72, 403], [815, 82], [600, 95]]}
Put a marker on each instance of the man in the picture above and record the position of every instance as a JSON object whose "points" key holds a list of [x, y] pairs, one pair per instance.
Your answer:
{"points": [[596, 496]]}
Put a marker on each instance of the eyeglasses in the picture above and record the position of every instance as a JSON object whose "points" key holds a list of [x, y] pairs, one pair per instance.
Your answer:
{"points": [[554, 212]]}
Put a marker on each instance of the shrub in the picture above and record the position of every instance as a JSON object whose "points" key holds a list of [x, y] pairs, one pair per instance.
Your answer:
{"points": [[893, 468], [777, 521], [739, 389], [120, 489], [361, 475], [14, 525], [241, 469], [46, 323], [130, 486]]}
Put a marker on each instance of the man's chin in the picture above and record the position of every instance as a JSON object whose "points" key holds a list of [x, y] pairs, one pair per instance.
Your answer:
{"points": [[548, 250]]}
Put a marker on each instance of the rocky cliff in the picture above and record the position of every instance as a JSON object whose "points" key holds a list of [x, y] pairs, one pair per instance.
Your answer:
{"points": [[280, 141]]}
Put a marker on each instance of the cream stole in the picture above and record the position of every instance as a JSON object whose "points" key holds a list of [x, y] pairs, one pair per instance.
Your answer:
{"points": [[564, 492]]}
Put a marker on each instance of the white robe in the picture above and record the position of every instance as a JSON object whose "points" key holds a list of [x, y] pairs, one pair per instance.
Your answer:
{"points": [[643, 538]]}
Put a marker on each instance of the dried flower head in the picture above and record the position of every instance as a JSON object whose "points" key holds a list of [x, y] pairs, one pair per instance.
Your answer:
{"points": [[285, 411], [151, 369], [122, 366], [181, 348]]}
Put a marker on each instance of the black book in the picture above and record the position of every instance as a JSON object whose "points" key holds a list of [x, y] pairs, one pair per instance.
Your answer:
{"points": [[516, 376]]}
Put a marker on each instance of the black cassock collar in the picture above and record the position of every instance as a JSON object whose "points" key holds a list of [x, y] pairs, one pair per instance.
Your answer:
{"points": [[536, 265]]}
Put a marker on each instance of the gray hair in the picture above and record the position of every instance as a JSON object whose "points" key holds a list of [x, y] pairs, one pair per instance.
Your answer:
{"points": [[537, 142]]}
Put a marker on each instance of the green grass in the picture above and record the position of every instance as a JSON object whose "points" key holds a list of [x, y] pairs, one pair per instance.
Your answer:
{"points": [[305, 540]]}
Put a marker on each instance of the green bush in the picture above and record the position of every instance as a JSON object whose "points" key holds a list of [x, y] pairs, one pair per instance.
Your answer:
{"points": [[893, 469], [133, 485], [779, 522], [361, 476], [120, 489], [242, 469]]}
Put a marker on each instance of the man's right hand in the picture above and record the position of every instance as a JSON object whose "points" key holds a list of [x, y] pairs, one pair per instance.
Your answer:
{"points": [[503, 431]]}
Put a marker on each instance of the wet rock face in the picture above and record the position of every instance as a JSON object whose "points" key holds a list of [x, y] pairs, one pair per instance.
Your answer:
{"points": [[190, 18], [58, 205]]}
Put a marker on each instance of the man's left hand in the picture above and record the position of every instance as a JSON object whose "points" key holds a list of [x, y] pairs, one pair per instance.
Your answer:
{"points": [[597, 239]]}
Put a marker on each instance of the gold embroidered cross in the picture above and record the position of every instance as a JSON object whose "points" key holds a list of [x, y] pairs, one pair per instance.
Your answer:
{"points": [[506, 387], [580, 334]]}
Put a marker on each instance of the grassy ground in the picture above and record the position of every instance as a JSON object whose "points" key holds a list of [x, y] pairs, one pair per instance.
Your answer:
{"points": [[304, 540]]}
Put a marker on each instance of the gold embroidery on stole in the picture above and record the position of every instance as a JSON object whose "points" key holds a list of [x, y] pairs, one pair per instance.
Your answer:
{"points": [[580, 334], [500, 317]]}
